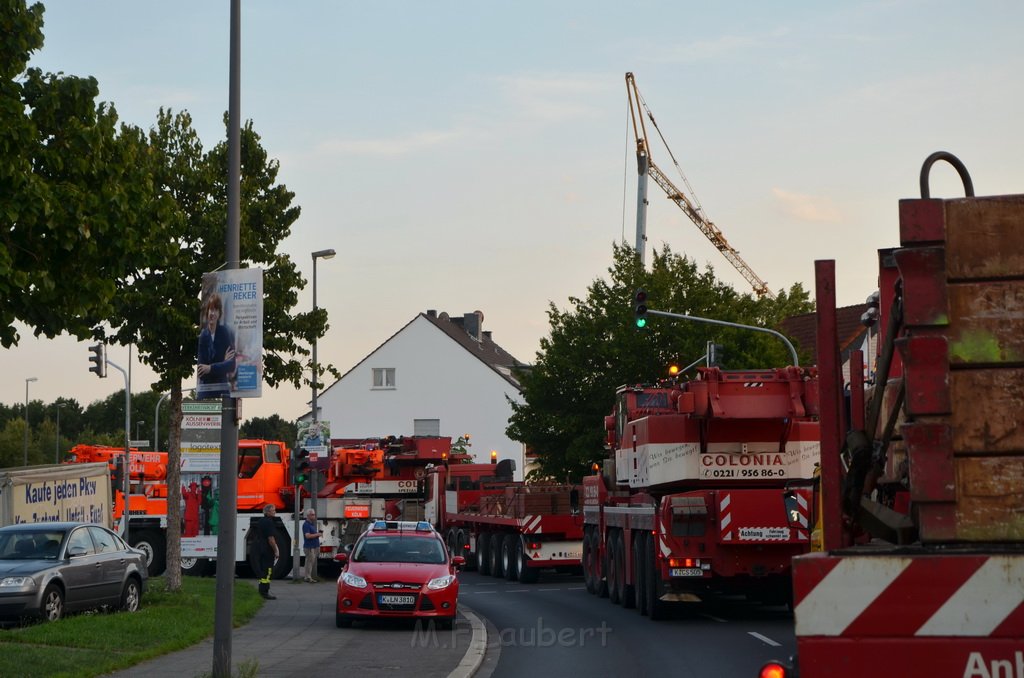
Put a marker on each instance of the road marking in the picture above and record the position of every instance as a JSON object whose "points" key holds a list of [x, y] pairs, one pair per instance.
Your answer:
{"points": [[517, 590], [764, 639], [714, 618], [576, 588], [549, 589]]}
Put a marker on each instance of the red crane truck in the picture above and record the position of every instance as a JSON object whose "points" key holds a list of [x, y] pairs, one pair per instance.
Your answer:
{"points": [[505, 528], [936, 590], [688, 503]]}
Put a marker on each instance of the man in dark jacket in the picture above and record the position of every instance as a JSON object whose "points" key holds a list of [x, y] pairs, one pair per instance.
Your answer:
{"points": [[267, 549]]}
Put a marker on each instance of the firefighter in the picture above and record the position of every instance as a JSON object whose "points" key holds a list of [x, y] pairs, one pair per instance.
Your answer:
{"points": [[267, 546]]}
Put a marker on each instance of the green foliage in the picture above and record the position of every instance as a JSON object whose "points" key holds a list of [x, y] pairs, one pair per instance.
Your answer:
{"points": [[78, 214], [94, 644], [269, 428], [596, 347]]}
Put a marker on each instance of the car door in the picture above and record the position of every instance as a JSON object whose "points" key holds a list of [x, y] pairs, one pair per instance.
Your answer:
{"points": [[82, 573], [113, 562]]}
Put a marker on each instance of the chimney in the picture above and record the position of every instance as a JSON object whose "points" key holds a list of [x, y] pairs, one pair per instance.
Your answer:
{"points": [[473, 323], [432, 313], [487, 335]]}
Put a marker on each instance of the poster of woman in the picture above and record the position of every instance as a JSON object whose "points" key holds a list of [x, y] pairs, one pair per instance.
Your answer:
{"points": [[229, 357]]}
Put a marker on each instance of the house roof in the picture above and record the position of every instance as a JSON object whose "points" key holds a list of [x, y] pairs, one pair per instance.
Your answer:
{"points": [[803, 329], [461, 330]]}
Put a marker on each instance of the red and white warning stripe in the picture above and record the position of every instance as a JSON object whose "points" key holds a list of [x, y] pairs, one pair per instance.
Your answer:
{"points": [[725, 500], [532, 525], [893, 596]]}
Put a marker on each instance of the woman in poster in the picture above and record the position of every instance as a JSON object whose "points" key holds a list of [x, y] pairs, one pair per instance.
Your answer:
{"points": [[216, 355]]}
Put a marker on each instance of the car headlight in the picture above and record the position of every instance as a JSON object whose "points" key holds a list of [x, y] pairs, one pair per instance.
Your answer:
{"points": [[441, 582], [18, 583], [353, 580]]}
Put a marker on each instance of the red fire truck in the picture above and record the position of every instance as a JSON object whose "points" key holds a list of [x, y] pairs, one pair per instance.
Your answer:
{"points": [[506, 528], [936, 590], [689, 502]]}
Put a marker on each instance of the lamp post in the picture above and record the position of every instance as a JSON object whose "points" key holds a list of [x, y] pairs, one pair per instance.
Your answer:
{"points": [[27, 380], [56, 447], [137, 425], [314, 418]]}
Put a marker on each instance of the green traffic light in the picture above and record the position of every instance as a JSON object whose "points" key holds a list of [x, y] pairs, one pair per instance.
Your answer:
{"points": [[641, 322]]}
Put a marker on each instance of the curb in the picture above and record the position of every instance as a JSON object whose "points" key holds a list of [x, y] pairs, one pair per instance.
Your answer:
{"points": [[474, 656]]}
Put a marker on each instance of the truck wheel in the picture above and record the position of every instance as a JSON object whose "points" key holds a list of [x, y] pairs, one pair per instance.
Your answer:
{"points": [[483, 553], [601, 559], [284, 563], [614, 573], [589, 553], [509, 563], [462, 548], [655, 608], [497, 540], [639, 574], [151, 543], [627, 590], [527, 574], [195, 567]]}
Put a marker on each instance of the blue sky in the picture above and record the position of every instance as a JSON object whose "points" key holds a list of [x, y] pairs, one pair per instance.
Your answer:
{"points": [[477, 155]]}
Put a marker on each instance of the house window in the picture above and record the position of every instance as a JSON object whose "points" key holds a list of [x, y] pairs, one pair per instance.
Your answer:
{"points": [[383, 377], [426, 427]]}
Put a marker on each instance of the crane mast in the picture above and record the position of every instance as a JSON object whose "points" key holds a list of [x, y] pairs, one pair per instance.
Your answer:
{"points": [[692, 208]]}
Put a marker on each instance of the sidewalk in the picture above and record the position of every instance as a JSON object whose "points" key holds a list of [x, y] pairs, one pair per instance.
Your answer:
{"points": [[295, 635]]}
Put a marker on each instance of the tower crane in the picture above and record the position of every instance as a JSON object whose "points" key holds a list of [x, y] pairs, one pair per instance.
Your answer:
{"points": [[689, 204]]}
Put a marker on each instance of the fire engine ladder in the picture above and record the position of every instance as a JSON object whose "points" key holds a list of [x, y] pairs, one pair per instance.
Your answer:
{"points": [[690, 205]]}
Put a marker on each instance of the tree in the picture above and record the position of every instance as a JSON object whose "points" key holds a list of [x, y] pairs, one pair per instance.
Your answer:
{"points": [[78, 216], [270, 428], [159, 312], [595, 348]]}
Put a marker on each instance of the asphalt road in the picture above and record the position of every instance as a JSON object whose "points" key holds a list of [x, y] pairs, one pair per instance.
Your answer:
{"points": [[555, 628]]}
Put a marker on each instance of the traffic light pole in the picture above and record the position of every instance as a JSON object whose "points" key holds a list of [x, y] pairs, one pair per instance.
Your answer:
{"points": [[724, 323], [126, 477], [297, 511]]}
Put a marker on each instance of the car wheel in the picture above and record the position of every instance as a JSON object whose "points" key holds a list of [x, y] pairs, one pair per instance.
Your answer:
{"points": [[153, 545], [131, 597], [342, 621], [52, 608]]}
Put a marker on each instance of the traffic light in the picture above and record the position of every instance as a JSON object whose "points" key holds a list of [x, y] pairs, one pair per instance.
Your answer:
{"points": [[301, 468], [716, 354], [640, 308], [98, 360]]}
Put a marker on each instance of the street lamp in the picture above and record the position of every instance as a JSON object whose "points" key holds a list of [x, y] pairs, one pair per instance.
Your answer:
{"points": [[319, 254], [27, 380], [56, 447]]}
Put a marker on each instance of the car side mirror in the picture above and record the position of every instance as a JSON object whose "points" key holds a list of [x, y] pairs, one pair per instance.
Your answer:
{"points": [[349, 547], [458, 562], [75, 551], [341, 558]]}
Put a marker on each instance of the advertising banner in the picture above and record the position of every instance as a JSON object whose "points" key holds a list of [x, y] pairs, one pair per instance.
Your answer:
{"points": [[229, 359], [200, 478], [315, 438]]}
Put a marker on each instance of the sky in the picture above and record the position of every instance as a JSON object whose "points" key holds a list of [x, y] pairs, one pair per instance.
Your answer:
{"points": [[464, 156]]}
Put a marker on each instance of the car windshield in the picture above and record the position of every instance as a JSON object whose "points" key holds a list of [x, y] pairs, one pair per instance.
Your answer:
{"points": [[34, 545], [396, 549]]}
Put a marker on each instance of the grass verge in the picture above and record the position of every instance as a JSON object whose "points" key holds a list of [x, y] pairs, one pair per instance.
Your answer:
{"points": [[92, 644]]}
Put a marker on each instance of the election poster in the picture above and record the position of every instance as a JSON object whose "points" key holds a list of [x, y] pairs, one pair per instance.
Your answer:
{"points": [[229, 358]]}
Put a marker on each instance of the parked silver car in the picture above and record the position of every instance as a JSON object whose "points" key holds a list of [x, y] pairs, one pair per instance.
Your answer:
{"points": [[49, 569]]}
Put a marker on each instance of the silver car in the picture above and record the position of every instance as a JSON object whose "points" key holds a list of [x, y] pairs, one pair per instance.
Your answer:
{"points": [[49, 569]]}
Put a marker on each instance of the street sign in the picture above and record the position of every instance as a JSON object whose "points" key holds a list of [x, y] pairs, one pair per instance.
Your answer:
{"points": [[138, 443]]}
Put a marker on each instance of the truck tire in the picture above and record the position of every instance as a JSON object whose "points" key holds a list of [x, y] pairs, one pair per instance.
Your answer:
{"points": [[462, 548], [601, 558], [639, 574], [527, 574], [509, 562], [196, 567], [283, 568], [151, 543], [483, 553], [589, 559], [627, 590], [497, 540], [656, 609], [614, 571]]}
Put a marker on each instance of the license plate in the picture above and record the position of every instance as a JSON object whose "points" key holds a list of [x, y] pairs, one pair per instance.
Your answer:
{"points": [[686, 572], [386, 599]]}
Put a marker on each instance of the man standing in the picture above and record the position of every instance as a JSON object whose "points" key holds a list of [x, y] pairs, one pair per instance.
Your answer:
{"points": [[311, 545], [267, 547]]}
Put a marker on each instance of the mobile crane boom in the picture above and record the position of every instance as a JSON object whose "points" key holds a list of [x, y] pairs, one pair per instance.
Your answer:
{"points": [[692, 208]]}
